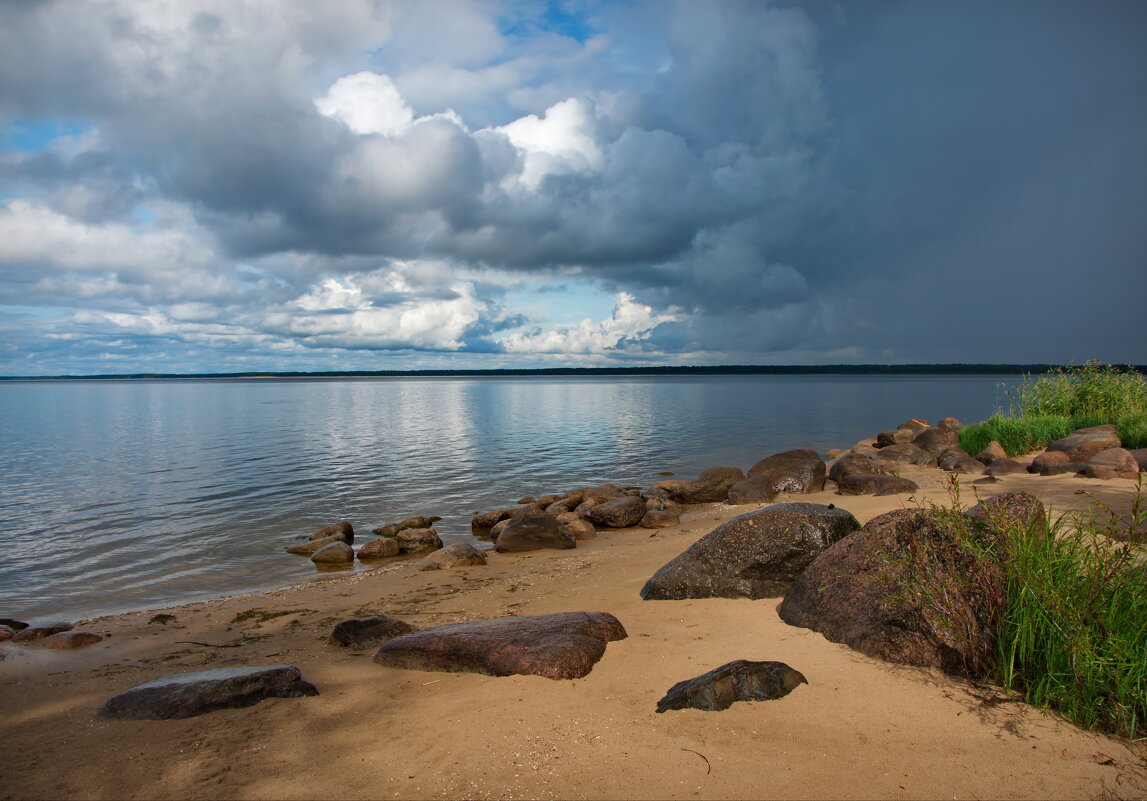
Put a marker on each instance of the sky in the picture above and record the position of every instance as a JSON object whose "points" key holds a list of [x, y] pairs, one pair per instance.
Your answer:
{"points": [[235, 185]]}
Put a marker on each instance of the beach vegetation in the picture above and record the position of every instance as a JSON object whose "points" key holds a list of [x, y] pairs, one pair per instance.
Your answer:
{"points": [[1047, 407], [1066, 602]]}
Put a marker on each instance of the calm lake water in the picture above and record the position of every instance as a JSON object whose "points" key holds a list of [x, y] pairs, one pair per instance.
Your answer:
{"points": [[122, 495]]}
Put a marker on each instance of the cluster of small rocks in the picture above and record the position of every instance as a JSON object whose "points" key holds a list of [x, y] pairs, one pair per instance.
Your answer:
{"points": [[1095, 452], [57, 636], [412, 536]]}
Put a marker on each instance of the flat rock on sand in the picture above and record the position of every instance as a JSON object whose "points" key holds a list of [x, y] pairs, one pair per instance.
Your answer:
{"points": [[741, 680], [564, 645], [189, 694]]}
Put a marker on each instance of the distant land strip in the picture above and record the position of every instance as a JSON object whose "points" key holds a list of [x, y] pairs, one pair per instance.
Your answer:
{"points": [[728, 369]]}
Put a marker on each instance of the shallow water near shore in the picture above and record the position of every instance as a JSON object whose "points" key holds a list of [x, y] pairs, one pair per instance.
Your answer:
{"points": [[121, 495]]}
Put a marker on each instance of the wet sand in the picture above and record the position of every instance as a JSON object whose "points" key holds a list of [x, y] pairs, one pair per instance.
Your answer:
{"points": [[859, 729]]}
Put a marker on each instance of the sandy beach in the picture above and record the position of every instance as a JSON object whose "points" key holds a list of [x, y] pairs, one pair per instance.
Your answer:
{"points": [[860, 728]]}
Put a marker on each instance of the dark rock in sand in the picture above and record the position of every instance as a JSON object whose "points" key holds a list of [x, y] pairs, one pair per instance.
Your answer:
{"points": [[660, 513], [381, 548], [70, 640], [741, 680], [343, 531], [1064, 468], [189, 694], [37, 633], [418, 540], [333, 553], [937, 440], [581, 529], [460, 554], [533, 530], [755, 555], [620, 512], [1047, 459], [853, 463], [1112, 463], [15, 625], [858, 593], [1005, 466], [565, 645], [367, 632], [795, 472], [955, 460], [991, 452], [878, 484], [1084, 443]]}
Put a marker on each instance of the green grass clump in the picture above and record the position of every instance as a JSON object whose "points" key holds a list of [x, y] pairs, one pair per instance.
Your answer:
{"points": [[1017, 435], [1073, 636]]}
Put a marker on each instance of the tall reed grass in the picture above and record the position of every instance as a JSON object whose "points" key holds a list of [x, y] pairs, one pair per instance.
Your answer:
{"points": [[1048, 407]]}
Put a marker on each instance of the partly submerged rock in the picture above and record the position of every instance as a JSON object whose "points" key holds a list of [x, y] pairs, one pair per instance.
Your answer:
{"points": [[755, 555], [37, 633], [418, 540], [70, 640], [533, 530], [565, 645], [342, 530], [189, 694], [620, 512], [333, 553], [381, 548], [741, 680]]}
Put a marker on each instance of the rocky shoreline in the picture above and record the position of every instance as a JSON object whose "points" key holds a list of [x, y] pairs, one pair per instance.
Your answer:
{"points": [[657, 563]]}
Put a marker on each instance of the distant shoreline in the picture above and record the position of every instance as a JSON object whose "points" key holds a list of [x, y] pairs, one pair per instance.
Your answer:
{"points": [[793, 369]]}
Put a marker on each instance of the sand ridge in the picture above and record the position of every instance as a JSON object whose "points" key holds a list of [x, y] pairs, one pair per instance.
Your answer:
{"points": [[859, 729]]}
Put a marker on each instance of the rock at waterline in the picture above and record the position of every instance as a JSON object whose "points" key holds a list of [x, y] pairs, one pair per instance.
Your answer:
{"points": [[37, 633], [381, 548], [418, 540], [795, 472], [565, 645], [755, 555], [343, 531], [70, 640], [392, 529], [310, 546], [660, 513], [712, 486], [333, 553], [460, 554], [189, 694], [741, 680], [622, 512], [367, 632], [534, 530], [15, 625]]}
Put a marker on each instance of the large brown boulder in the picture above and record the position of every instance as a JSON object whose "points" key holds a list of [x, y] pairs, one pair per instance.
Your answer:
{"points": [[1015, 510], [335, 552], [895, 436], [418, 540], [533, 530], [904, 590], [853, 463], [954, 460], [380, 548], [189, 694], [937, 440], [755, 555], [894, 457], [620, 512], [1084, 443], [1001, 467], [1112, 463], [1047, 459], [992, 451], [565, 645], [481, 524], [796, 472], [460, 554], [660, 513]]}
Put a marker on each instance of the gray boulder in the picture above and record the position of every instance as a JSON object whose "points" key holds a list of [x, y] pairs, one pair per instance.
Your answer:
{"points": [[533, 530], [874, 484], [565, 645], [189, 694], [755, 555], [367, 632], [741, 680]]}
